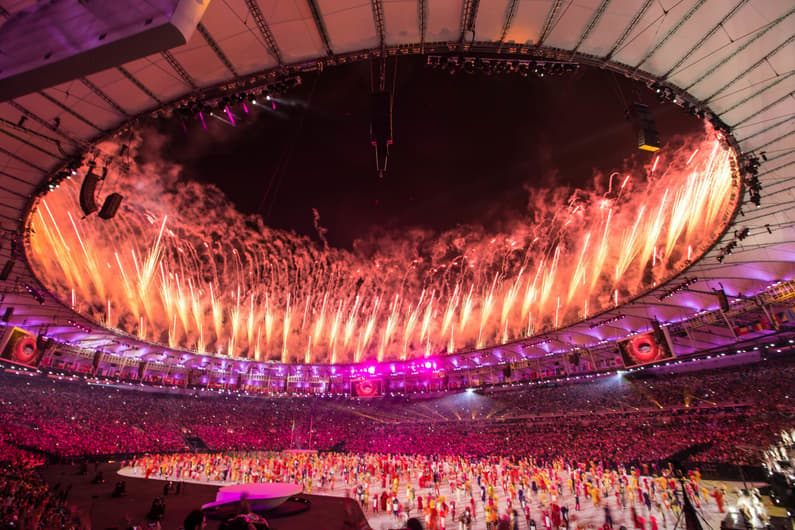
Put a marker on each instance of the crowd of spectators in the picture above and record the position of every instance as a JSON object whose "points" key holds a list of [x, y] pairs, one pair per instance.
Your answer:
{"points": [[614, 418], [26, 502]]}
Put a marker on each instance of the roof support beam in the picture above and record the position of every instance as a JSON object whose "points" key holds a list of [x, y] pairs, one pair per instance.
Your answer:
{"points": [[510, 13], [204, 32], [69, 110], [671, 32], [751, 68], [378, 20], [549, 23], [705, 38], [172, 61], [23, 160], [30, 132], [597, 14], [469, 14], [103, 96], [18, 179], [41, 121], [761, 33], [29, 144], [135, 81], [12, 192], [265, 31], [320, 25], [631, 26], [422, 21]]}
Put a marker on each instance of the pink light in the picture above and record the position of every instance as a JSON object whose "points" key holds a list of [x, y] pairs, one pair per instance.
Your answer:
{"points": [[245, 108], [229, 114], [427, 364], [371, 370], [204, 123]]}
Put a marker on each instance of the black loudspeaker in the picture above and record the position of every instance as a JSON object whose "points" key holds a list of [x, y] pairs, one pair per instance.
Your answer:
{"points": [[88, 202], [648, 138], [723, 301], [574, 358], [8, 314], [110, 206], [6, 272], [97, 360]]}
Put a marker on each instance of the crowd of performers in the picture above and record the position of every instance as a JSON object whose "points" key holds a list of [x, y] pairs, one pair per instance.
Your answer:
{"points": [[450, 492]]}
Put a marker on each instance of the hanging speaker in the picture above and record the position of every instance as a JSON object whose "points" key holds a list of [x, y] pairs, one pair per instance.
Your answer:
{"points": [[110, 206], [88, 201], [6, 272], [723, 301], [9, 312]]}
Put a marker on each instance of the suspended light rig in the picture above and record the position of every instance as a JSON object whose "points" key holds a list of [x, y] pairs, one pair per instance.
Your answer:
{"points": [[501, 65]]}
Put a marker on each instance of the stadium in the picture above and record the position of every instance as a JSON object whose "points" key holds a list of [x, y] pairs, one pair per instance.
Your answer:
{"points": [[549, 343]]}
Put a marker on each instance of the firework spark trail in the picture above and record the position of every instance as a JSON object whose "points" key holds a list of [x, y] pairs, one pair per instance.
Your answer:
{"points": [[179, 266]]}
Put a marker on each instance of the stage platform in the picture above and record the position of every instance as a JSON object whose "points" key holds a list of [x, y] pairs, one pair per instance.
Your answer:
{"points": [[260, 497]]}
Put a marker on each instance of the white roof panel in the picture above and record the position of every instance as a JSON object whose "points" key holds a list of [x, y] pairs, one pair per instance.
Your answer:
{"points": [[350, 24], [403, 24], [444, 20], [158, 76], [651, 29], [571, 24], [528, 22], [79, 98], [490, 19], [122, 91], [741, 62], [293, 28], [237, 35], [201, 62], [616, 17]]}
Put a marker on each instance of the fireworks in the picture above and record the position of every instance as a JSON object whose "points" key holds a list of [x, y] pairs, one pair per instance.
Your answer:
{"points": [[178, 266]]}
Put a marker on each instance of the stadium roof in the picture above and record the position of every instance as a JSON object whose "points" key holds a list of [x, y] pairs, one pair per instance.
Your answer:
{"points": [[115, 61]]}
